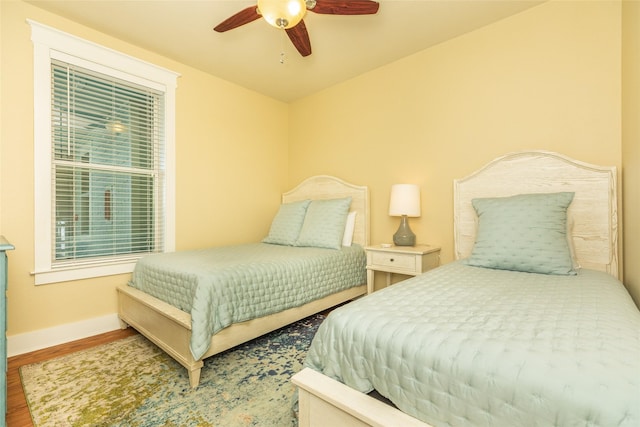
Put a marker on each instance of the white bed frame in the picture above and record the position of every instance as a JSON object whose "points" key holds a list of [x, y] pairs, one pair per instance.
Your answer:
{"points": [[170, 328], [593, 214]]}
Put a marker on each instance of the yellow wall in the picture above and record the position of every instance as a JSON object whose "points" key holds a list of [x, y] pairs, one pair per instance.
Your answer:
{"points": [[631, 144], [548, 78], [231, 161]]}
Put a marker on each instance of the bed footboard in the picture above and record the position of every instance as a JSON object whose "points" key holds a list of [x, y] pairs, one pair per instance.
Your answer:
{"points": [[170, 328], [166, 326], [323, 401]]}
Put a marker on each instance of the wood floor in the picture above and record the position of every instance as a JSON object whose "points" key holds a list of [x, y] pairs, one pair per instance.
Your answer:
{"points": [[17, 411]]}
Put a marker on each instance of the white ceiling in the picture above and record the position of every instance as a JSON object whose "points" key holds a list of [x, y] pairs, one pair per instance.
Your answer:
{"points": [[343, 46]]}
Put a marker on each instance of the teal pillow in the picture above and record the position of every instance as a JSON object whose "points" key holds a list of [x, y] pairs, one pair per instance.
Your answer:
{"points": [[527, 232], [324, 223], [286, 225]]}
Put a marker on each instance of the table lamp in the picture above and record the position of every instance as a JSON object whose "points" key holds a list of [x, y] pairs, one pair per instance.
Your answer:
{"points": [[405, 202]]}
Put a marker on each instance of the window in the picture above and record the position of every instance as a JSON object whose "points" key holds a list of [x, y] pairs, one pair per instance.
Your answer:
{"points": [[104, 149]]}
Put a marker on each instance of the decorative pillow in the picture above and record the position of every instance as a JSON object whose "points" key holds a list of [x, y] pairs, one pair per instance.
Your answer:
{"points": [[347, 237], [527, 232], [324, 223], [286, 225]]}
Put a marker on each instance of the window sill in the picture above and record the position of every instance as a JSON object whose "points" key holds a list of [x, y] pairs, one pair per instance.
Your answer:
{"points": [[66, 274]]}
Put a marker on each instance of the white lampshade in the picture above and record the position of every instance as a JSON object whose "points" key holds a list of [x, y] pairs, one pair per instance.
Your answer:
{"points": [[405, 200], [282, 13]]}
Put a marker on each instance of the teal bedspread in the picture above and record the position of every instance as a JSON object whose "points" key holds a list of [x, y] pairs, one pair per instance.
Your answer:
{"points": [[225, 285], [468, 346]]}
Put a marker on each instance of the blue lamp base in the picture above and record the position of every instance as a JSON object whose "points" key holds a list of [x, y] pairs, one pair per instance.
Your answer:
{"points": [[404, 236]]}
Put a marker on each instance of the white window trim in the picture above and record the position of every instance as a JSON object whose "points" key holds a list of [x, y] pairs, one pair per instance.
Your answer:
{"points": [[48, 44]]}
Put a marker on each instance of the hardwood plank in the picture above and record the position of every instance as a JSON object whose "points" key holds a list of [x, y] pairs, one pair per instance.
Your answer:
{"points": [[17, 411]]}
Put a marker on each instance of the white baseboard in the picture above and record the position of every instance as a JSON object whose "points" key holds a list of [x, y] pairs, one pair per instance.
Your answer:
{"points": [[43, 338]]}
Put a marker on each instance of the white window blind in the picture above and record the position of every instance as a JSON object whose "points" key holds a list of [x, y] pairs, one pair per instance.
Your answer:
{"points": [[107, 149]]}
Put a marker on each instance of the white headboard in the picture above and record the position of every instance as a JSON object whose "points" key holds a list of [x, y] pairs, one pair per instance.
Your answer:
{"points": [[593, 214], [329, 187]]}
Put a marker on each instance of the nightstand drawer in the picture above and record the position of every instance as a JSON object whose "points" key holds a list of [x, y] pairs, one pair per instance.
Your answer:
{"points": [[394, 260]]}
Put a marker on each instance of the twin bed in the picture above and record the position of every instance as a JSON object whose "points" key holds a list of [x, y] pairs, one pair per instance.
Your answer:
{"points": [[528, 327], [524, 328], [195, 304]]}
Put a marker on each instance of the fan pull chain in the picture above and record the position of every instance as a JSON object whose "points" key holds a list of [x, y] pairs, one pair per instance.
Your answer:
{"points": [[282, 40]]}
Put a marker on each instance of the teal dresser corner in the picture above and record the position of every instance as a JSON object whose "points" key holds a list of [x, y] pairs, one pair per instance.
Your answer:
{"points": [[4, 247]]}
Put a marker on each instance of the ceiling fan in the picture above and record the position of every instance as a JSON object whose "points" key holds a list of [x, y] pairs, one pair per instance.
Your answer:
{"points": [[288, 15]]}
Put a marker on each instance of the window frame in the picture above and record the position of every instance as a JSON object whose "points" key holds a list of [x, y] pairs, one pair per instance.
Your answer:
{"points": [[49, 44]]}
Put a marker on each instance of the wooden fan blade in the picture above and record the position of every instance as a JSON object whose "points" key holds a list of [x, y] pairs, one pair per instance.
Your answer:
{"points": [[345, 7], [300, 38], [245, 16]]}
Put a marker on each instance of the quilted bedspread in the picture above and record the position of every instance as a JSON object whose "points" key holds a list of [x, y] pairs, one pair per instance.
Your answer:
{"points": [[225, 285], [468, 346]]}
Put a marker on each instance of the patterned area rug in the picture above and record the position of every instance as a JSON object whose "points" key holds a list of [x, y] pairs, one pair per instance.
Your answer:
{"points": [[130, 382]]}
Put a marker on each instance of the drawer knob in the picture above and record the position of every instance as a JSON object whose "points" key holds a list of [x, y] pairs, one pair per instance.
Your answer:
{"points": [[391, 259]]}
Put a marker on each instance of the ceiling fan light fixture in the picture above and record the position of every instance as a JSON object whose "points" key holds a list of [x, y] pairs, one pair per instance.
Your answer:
{"points": [[282, 14]]}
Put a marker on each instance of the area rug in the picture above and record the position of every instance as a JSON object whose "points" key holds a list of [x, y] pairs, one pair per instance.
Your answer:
{"points": [[131, 382]]}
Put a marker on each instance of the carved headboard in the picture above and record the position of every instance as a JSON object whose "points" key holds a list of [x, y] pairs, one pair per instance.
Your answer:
{"points": [[592, 216]]}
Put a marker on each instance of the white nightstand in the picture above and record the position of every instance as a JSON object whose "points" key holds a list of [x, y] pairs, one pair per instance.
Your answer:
{"points": [[409, 260]]}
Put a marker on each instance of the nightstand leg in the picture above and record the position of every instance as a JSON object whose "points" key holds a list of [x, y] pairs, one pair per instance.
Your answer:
{"points": [[388, 278]]}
